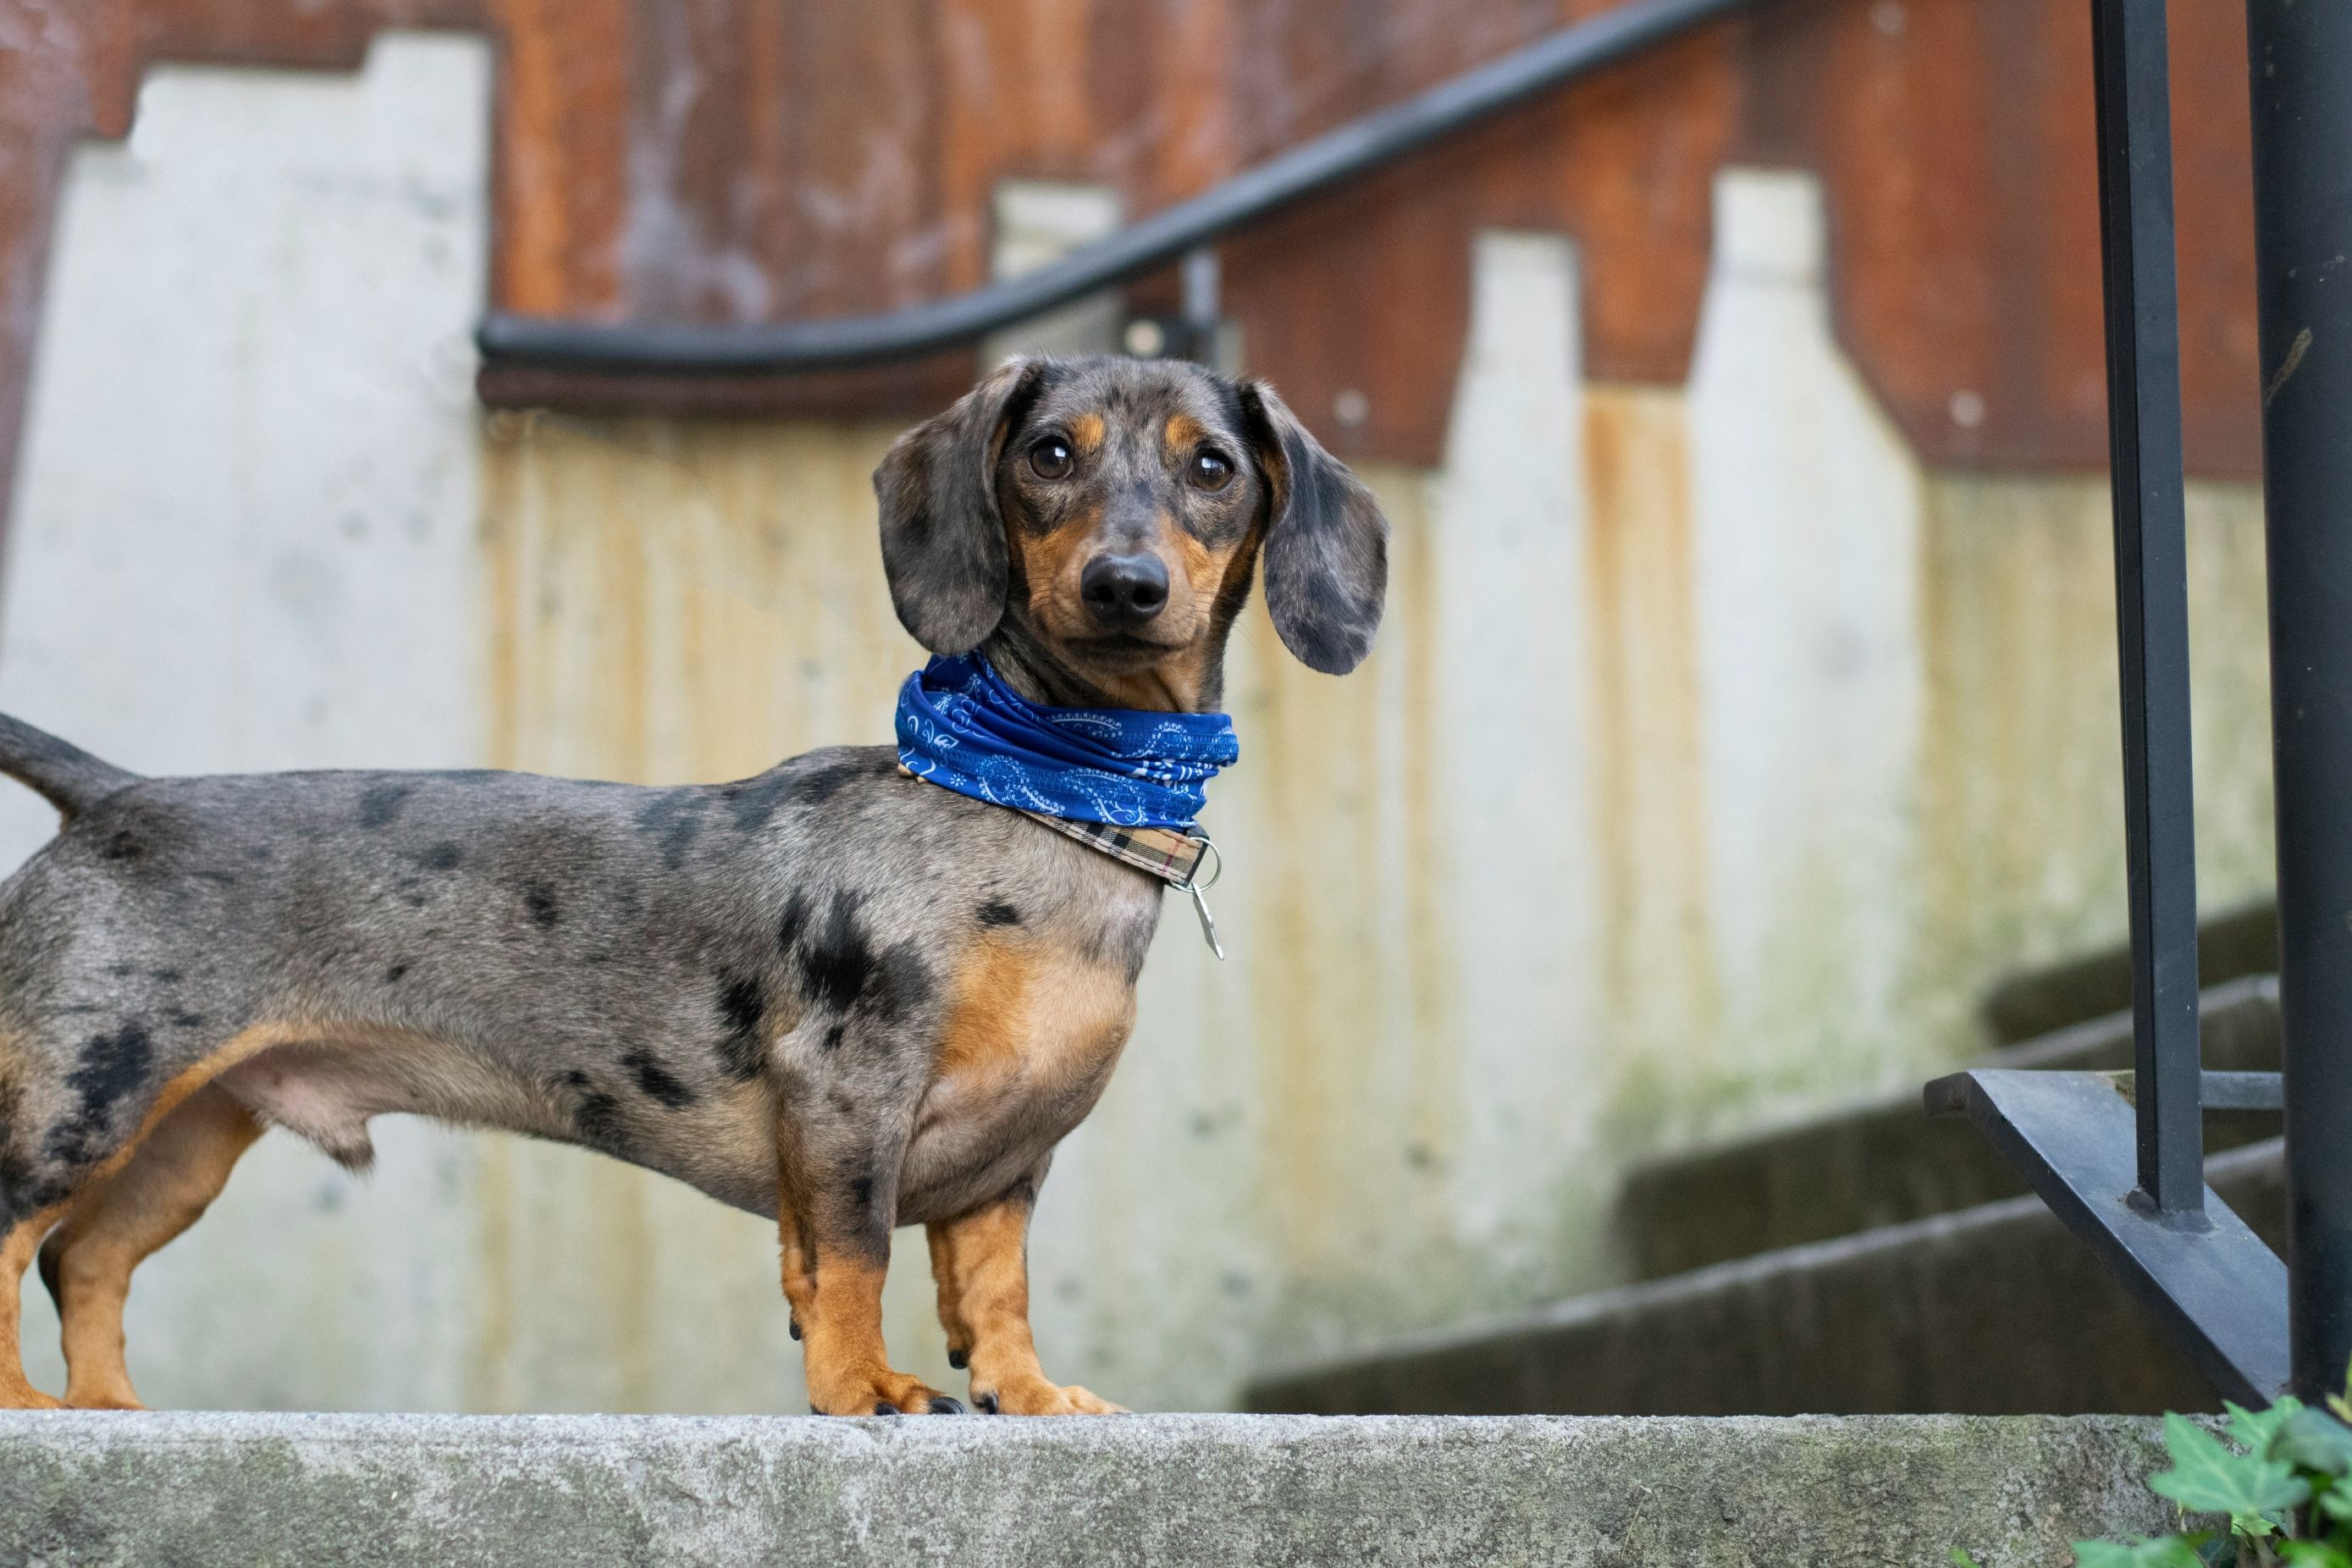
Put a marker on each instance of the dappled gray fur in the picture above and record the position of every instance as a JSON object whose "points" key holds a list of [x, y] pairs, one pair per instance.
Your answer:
{"points": [[632, 969]]}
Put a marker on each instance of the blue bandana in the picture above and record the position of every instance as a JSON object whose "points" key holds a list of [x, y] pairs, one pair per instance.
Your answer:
{"points": [[960, 726]]}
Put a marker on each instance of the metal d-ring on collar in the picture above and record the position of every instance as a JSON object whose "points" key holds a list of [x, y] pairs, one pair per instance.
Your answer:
{"points": [[1198, 888]]}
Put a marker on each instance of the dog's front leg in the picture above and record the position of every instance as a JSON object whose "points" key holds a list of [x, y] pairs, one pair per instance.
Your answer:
{"points": [[981, 1264], [836, 1252]]}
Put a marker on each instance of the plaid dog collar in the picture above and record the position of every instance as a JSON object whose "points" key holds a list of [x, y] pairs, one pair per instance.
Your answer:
{"points": [[1172, 857]]}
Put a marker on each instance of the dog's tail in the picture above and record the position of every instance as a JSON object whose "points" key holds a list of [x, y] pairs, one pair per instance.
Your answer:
{"points": [[65, 776]]}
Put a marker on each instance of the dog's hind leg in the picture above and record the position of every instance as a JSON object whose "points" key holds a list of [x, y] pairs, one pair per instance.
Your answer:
{"points": [[18, 1243], [171, 1178]]}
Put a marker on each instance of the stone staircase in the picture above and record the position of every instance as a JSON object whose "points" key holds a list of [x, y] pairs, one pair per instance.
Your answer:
{"points": [[1871, 1261]]}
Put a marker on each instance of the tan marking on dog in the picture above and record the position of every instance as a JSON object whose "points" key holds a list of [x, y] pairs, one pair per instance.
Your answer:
{"points": [[115, 1224], [837, 1300], [1087, 432], [16, 1249], [1182, 432], [981, 1265], [1024, 1017]]}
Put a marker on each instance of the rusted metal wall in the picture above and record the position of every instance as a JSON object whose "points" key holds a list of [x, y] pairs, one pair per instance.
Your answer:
{"points": [[746, 160]]}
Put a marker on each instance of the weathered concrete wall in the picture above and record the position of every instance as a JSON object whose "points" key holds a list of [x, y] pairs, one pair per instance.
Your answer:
{"points": [[1159, 1490], [1714, 757]]}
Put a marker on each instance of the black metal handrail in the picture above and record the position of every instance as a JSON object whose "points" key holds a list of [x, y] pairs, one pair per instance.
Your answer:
{"points": [[2129, 1175], [1355, 148]]}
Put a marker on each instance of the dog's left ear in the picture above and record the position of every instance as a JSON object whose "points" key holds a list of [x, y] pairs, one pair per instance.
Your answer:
{"points": [[1326, 543], [942, 536]]}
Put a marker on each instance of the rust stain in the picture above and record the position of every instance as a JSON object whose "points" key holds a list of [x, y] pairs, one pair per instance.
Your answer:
{"points": [[1655, 960]]}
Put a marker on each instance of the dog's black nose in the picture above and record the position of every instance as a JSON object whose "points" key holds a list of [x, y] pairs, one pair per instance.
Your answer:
{"points": [[1124, 590]]}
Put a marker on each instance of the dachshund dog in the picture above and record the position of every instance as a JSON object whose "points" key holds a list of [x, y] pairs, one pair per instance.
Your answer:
{"points": [[833, 992]]}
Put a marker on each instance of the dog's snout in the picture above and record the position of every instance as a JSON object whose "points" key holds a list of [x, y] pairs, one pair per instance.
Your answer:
{"points": [[1124, 590]]}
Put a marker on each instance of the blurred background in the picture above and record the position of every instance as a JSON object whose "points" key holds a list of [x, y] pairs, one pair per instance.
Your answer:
{"points": [[1744, 716]]}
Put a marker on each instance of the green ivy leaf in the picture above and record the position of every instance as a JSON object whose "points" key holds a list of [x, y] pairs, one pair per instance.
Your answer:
{"points": [[2206, 1478], [2314, 1554], [2254, 1427], [2312, 1440], [2164, 1552]]}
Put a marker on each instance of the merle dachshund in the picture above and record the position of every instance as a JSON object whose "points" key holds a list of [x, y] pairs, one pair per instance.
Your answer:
{"points": [[833, 992]]}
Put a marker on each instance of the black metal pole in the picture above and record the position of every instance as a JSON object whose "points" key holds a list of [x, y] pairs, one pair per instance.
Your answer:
{"points": [[2135, 122], [2301, 59]]}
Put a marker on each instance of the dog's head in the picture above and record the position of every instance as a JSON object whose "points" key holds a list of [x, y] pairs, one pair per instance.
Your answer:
{"points": [[1108, 513]]}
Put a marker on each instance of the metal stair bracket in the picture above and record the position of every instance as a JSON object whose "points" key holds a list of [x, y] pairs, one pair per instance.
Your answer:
{"points": [[2203, 1274]]}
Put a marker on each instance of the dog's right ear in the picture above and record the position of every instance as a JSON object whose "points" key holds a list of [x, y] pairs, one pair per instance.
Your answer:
{"points": [[942, 536]]}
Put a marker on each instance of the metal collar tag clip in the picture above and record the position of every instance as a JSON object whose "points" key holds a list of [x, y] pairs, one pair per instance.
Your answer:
{"points": [[1195, 886]]}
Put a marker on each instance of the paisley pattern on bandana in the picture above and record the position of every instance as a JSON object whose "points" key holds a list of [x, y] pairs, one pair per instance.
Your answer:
{"points": [[961, 728]]}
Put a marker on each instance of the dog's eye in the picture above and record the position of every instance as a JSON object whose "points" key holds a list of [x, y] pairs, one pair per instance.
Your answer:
{"points": [[1051, 458], [1211, 471]]}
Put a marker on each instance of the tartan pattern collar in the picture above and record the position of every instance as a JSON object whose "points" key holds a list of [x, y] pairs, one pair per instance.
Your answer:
{"points": [[1172, 857]]}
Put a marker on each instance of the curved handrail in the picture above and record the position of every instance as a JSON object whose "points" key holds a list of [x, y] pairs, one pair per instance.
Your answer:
{"points": [[1361, 144]]}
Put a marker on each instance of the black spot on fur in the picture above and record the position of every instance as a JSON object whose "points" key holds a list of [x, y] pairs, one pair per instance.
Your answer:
{"points": [[742, 1005], [166, 975], [901, 985], [443, 857], [755, 800], [188, 1020], [539, 900], [821, 784], [997, 913], [392, 977], [110, 1069], [794, 922], [837, 964], [835, 1034], [380, 804], [674, 817], [843, 1105], [597, 1116], [221, 878], [124, 846], [658, 1082], [861, 1192]]}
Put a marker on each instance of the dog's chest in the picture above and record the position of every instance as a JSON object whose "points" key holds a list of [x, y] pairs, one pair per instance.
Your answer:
{"points": [[1029, 1036]]}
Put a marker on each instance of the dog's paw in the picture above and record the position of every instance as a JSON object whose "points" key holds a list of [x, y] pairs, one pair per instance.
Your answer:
{"points": [[107, 1399], [1036, 1396], [881, 1393], [25, 1396]]}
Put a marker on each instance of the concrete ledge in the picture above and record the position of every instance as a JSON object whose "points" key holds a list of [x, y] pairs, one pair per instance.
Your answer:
{"points": [[88, 1488]]}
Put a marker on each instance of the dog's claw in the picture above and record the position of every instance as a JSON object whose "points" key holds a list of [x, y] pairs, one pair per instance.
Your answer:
{"points": [[942, 1404], [958, 1359], [797, 1328], [986, 1401], [884, 1408]]}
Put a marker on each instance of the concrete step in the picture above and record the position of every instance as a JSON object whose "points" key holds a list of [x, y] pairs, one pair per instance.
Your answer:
{"points": [[1886, 1162], [1996, 1308], [2036, 1002], [519, 1491]]}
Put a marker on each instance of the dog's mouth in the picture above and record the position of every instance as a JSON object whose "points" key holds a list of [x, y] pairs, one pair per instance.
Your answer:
{"points": [[1123, 652]]}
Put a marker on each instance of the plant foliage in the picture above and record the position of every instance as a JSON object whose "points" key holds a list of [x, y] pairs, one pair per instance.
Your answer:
{"points": [[2276, 1482]]}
